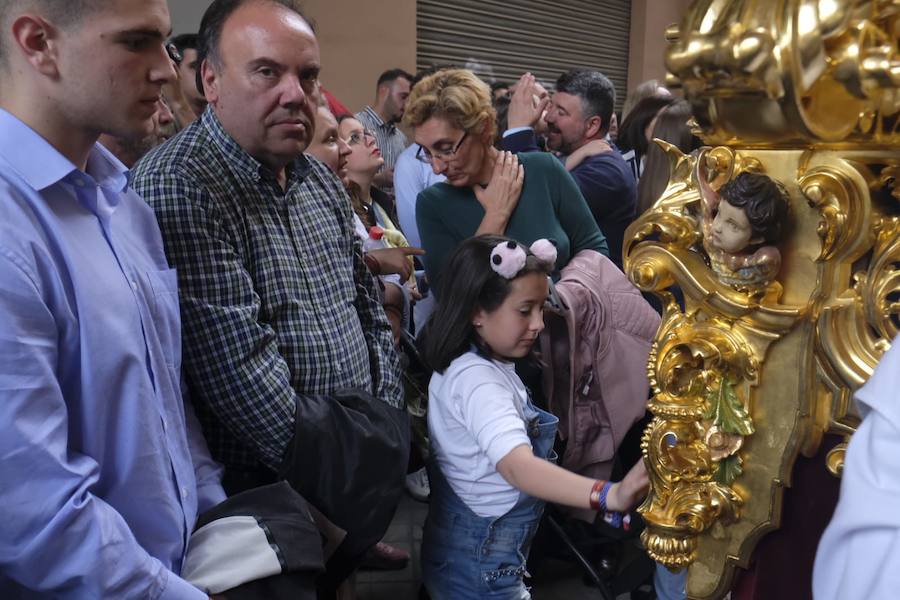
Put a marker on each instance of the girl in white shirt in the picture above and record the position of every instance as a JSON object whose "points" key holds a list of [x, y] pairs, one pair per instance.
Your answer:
{"points": [[492, 449]]}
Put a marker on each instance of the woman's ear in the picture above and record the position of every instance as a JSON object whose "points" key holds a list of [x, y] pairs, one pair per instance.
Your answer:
{"points": [[486, 136], [478, 317]]}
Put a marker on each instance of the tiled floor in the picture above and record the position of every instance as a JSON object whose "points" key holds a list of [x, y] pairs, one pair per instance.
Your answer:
{"points": [[557, 580]]}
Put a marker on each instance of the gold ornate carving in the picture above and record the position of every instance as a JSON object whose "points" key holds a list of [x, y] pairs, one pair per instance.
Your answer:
{"points": [[807, 92], [879, 287], [786, 72], [835, 459], [697, 431], [828, 190], [703, 366]]}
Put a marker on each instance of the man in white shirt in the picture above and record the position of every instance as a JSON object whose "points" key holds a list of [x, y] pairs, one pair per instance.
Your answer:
{"points": [[859, 554]]}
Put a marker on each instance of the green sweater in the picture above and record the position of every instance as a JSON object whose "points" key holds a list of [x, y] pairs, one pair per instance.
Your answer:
{"points": [[551, 206]]}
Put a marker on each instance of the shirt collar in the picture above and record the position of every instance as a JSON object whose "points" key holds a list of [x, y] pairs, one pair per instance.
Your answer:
{"points": [[376, 117], [107, 170], [239, 157], [41, 165], [30, 155]]}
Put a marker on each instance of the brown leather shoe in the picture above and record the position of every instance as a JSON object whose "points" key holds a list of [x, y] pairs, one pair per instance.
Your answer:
{"points": [[384, 557]]}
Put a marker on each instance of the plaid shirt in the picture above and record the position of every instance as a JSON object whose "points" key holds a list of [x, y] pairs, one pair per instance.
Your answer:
{"points": [[391, 141], [275, 298]]}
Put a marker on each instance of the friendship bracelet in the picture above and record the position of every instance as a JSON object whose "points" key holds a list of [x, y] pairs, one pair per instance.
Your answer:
{"points": [[603, 494], [613, 517], [594, 498]]}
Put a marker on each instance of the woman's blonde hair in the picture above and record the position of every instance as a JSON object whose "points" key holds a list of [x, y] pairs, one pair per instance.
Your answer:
{"points": [[456, 95]]}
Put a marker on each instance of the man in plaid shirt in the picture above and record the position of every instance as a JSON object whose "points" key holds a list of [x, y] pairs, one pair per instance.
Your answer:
{"points": [[276, 301]]}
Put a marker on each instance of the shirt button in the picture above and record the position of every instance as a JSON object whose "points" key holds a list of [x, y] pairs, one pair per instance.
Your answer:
{"points": [[134, 285], [184, 493], [165, 425]]}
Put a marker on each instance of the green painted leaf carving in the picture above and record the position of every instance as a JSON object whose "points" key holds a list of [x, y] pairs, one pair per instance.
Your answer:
{"points": [[726, 409], [729, 470]]}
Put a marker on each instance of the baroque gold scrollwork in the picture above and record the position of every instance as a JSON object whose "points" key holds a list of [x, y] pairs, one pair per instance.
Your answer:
{"points": [[860, 316], [747, 378], [789, 71], [842, 207], [703, 364], [879, 287], [697, 367]]}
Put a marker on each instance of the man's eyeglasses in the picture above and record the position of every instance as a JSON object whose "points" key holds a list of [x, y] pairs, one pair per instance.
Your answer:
{"points": [[358, 137], [174, 53], [428, 157]]}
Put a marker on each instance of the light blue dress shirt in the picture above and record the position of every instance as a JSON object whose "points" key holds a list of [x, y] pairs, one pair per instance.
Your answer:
{"points": [[101, 479], [411, 176]]}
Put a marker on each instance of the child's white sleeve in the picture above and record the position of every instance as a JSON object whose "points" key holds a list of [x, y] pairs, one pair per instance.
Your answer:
{"points": [[488, 410]]}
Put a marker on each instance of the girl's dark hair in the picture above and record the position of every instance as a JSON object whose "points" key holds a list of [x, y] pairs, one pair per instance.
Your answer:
{"points": [[469, 284], [633, 130]]}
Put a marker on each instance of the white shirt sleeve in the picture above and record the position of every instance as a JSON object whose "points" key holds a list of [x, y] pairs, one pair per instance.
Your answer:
{"points": [[513, 130], [859, 554], [487, 407]]}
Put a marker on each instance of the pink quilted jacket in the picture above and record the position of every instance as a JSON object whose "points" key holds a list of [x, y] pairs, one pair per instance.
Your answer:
{"points": [[596, 357]]}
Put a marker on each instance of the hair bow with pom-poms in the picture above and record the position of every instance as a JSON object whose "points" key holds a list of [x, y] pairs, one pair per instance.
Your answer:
{"points": [[545, 251], [508, 258]]}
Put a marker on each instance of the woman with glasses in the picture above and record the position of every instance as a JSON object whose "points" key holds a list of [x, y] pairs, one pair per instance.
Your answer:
{"points": [[375, 208], [487, 191]]}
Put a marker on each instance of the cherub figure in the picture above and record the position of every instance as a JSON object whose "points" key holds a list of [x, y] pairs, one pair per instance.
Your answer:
{"points": [[741, 221]]}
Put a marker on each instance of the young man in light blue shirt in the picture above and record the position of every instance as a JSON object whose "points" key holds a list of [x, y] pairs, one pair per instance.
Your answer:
{"points": [[102, 467]]}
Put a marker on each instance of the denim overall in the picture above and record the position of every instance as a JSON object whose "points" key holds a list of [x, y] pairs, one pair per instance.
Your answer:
{"points": [[466, 556]]}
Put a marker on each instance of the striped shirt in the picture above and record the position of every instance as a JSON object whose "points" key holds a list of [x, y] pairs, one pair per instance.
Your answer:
{"points": [[391, 141], [276, 301]]}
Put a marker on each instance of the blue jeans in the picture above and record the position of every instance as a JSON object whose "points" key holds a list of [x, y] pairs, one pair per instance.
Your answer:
{"points": [[470, 557], [669, 585], [465, 556]]}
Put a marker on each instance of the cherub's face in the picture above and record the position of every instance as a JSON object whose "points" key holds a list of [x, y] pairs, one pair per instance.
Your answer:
{"points": [[731, 230]]}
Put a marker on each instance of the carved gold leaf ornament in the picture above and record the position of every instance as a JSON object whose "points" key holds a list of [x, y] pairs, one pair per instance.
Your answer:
{"points": [[879, 287], [696, 365], [808, 93]]}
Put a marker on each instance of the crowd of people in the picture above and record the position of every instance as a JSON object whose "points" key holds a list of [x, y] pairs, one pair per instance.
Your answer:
{"points": [[217, 284]]}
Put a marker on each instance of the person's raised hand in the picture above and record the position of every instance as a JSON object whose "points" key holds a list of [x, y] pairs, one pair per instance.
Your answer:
{"points": [[525, 105]]}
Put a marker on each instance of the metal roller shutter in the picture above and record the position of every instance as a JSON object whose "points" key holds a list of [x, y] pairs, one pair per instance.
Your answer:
{"points": [[501, 39]]}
